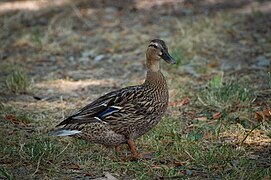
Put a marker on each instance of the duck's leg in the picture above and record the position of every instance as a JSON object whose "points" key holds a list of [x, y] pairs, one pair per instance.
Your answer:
{"points": [[133, 150]]}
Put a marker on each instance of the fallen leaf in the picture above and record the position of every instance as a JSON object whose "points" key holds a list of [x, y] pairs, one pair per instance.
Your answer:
{"points": [[88, 174], [217, 115], [183, 102], [263, 115], [109, 50], [266, 177], [178, 163], [14, 119], [213, 64]]}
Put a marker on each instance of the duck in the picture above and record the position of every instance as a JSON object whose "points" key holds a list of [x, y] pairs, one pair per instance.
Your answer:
{"points": [[122, 116]]}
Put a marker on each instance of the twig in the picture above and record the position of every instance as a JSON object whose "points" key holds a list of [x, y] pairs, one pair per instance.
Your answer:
{"points": [[255, 127], [38, 165], [63, 150], [79, 15], [189, 155], [200, 100]]}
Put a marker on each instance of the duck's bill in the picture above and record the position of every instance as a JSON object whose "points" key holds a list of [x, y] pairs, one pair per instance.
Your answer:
{"points": [[165, 55]]}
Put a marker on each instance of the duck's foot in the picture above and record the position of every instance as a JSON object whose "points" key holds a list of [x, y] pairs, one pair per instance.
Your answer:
{"points": [[135, 155]]}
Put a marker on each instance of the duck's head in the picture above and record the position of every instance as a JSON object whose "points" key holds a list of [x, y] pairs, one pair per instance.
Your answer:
{"points": [[156, 51]]}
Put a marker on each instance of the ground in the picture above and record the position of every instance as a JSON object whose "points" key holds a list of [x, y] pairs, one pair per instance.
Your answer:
{"points": [[57, 57]]}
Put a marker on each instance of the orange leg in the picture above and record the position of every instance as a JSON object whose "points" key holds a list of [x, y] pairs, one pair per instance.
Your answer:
{"points": [[133, 150]]}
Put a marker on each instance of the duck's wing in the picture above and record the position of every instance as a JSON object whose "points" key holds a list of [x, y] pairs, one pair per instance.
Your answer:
{"points": [[104, 107]]}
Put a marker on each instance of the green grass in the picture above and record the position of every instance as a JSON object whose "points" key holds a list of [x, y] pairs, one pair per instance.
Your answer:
{"points": [[223, 96], [176, 154], [18, 82], [4, 174], [177, 54]]}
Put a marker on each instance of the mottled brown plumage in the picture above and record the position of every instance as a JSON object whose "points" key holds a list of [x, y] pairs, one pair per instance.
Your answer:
{"points": [[122, 116]]}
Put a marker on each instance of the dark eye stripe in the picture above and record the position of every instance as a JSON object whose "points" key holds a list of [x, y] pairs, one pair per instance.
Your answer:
{"points": [[153, 45]]}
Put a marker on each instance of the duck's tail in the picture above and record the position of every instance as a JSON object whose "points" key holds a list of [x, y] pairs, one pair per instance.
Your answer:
{"points": [[64, 132]]}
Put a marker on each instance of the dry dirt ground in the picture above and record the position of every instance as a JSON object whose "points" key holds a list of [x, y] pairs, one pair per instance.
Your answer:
{"points": [[74, 51]]}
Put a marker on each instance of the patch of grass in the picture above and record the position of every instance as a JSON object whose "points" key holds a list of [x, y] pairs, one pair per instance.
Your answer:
{"points": [[216, 82], [199, 156], [37, 39], [201, 36], [269, 134], [4, 174], [234, 100], [26, 154], [195, 135], [174, 155], [40, 148], [11, 114], [177, 54], [18, 82], [224, 97]]}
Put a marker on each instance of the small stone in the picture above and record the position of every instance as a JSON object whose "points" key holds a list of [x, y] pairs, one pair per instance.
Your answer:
{"points": [[188, 172], [51, 91], [262, 61], [111, 13], [71, 58], [52, 58], [42, 21], [86, 54], [99, 58]]}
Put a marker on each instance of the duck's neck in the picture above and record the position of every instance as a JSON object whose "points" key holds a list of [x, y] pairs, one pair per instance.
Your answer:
{"points": [[155, 79], [153, 66], [154, 75], [157, 85]]}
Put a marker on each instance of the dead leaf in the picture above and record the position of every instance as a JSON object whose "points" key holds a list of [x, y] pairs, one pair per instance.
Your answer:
{"points": [[178, 163], [183, 102], [263, 115], [201, 118], [217, 115], [74, 166], [14, 119], [266, 177], [109, 50], [124, 32], [213, 64], [88, 174]]}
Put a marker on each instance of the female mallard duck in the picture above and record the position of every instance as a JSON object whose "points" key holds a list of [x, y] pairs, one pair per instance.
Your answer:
{"points": [[122, 116]]}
